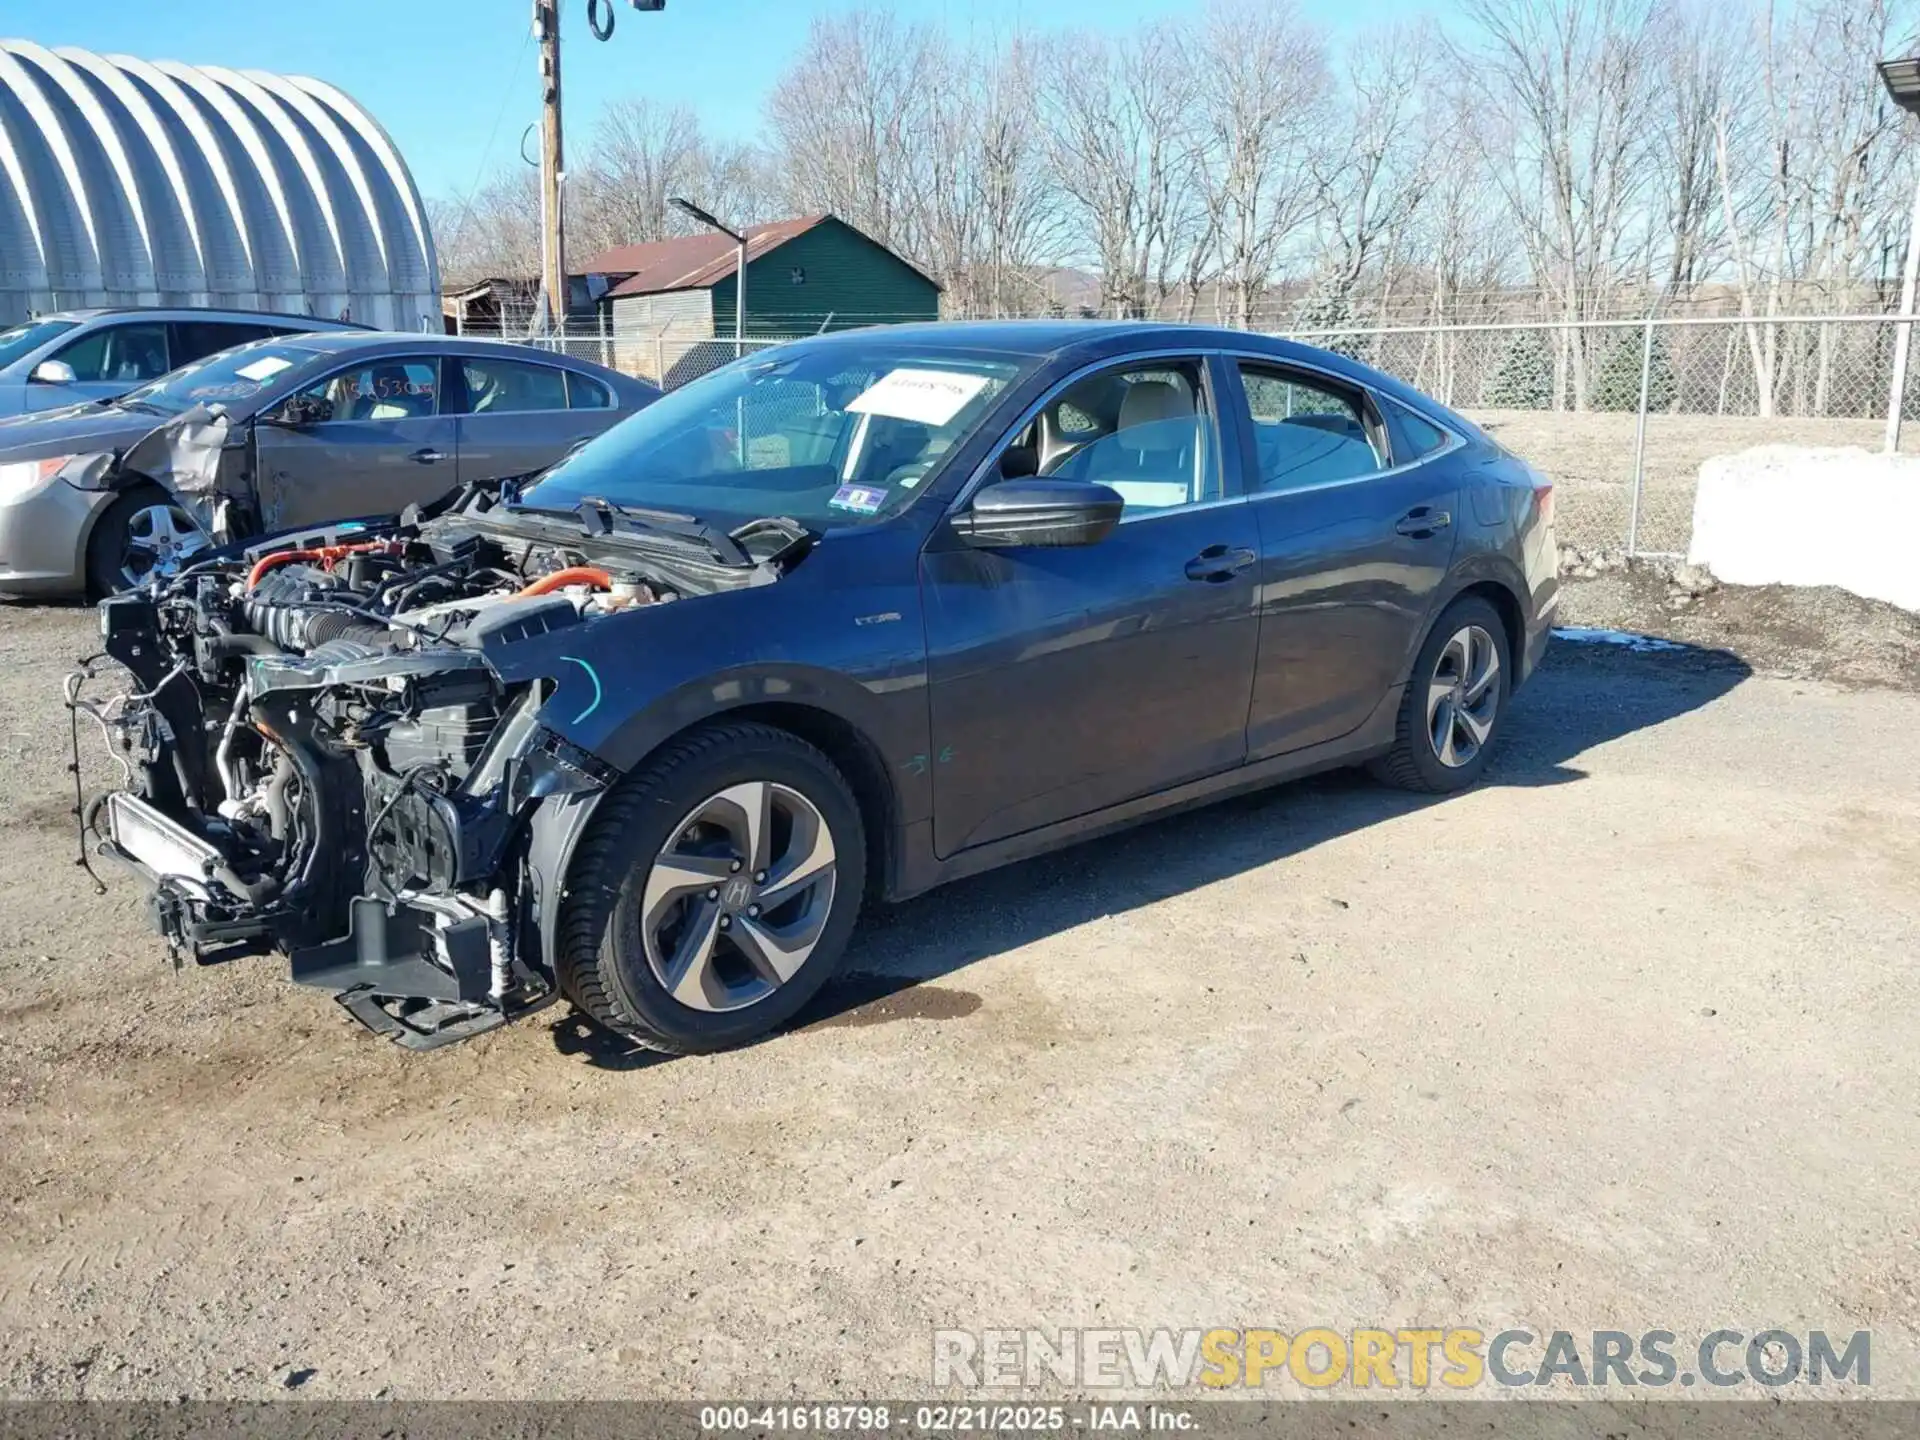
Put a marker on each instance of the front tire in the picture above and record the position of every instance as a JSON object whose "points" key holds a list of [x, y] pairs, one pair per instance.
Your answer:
{"points": [[142, 533], [1455, 703], [714, 891]]}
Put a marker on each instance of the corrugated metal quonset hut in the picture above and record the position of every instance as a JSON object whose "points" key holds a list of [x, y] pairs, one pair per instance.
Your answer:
{"points": [[134, 182]]}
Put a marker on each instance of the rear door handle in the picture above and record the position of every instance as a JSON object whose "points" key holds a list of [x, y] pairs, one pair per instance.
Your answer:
{"points": [[1422, 521], [1219, 562], [428, 456]]}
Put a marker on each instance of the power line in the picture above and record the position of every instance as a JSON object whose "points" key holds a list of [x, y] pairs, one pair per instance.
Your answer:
{"points": [[486, 152]]}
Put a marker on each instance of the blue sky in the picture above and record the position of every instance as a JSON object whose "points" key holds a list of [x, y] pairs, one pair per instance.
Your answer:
{"points": [[443, 75]]}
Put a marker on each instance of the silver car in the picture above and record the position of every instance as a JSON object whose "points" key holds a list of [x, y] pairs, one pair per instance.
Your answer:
{"points": [[56, 360], [322, 426]]}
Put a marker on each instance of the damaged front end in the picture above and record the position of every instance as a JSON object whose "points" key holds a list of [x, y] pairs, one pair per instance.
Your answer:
{"points": [[321, 752]]}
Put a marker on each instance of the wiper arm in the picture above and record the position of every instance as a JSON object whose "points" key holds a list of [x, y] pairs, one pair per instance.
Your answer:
{"points": [[597, 515]]}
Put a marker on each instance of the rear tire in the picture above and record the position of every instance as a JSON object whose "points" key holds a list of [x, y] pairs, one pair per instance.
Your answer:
{"points": [[1455, 702], [714, 891]]}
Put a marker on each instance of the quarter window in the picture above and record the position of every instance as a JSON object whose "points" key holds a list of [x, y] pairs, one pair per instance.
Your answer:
{"points": [[1421, 436], [1305, 433], [398, 389], [586, 393], [1146, 431], [507, 387], [123, 354]]}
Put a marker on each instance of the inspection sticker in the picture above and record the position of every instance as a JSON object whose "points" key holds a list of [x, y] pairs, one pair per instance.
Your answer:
{"points": [[927, 397], [264, 369], [860, 499]]}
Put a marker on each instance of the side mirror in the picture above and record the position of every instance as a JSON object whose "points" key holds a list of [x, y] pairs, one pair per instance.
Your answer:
{"points": [[1040, 512], [52, 372], [299, 411]]}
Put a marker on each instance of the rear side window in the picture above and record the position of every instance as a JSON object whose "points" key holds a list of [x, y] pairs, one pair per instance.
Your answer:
{"points": [[125, 354], [509, 387], [1420, 436], [197, 339], [1306, 433], [586, 393]]}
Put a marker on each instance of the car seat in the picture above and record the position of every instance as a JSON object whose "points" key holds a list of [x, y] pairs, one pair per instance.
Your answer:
{"points": [[1150, 464]]}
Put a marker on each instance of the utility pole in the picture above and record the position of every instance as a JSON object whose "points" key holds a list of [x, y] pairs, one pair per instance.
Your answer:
{"points": [[553, 228]]}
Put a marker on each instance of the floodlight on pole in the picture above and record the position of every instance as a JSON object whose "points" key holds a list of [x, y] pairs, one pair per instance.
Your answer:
{"points": [[1902, 79], [739, 238]]}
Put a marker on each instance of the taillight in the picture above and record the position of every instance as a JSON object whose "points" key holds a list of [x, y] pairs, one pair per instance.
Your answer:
{"points": [[1543, 499]]}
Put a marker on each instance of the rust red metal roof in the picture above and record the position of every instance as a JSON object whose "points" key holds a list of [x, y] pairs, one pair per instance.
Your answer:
{"points": [[688, 262]]}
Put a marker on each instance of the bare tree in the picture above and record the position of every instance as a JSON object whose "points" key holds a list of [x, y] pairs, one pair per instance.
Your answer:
{"points": [[1371, 186], [1806, 176], [1566, 94], [1703, 69], [641, 155], [848, 122], [1119, 128], [1261, 126]]}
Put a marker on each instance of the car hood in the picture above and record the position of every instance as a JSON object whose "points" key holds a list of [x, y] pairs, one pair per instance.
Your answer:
{"points": [[71, 430]]}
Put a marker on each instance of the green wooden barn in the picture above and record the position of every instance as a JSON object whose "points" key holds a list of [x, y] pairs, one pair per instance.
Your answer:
{"points": [[804, 275]]}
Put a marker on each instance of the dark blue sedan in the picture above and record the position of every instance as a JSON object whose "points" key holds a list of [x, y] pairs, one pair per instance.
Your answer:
{"points": [[943, 597]]}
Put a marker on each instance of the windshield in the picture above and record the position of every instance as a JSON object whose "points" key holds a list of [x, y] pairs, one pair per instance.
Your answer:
{"points": [[25, 339], [829, 437], [224, 378]]}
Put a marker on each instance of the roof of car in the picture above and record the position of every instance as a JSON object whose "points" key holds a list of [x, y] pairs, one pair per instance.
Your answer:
{"points": [[96, 312], [1040, 337]]}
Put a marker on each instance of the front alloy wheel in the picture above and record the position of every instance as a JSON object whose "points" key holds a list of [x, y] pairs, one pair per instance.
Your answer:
{"points": [[160, 538], [739, 896], [714, 890]]}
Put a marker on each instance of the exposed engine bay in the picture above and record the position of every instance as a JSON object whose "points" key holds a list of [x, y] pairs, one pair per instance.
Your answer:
{"points": [[327, 747]]}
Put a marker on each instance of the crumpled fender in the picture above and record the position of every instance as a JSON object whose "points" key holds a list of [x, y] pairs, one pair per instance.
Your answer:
{"points": [[188, 455]]}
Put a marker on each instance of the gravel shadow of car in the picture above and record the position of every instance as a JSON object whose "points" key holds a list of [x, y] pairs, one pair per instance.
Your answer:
{"points": [[1584, 696]]}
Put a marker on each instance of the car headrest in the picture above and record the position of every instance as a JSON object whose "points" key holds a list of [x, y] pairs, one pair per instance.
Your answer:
{"points": [[1147, 401]]}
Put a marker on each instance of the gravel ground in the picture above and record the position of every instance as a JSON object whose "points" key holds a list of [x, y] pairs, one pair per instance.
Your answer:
{"points": [[1792, 632], [1622, 1039]]}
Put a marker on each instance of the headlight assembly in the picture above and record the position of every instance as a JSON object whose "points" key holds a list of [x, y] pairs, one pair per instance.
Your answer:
{"points": [[23, 477]]}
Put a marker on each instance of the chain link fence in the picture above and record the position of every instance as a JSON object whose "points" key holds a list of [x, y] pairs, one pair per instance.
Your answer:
{"points": [[668, 360], [1622, 414]]}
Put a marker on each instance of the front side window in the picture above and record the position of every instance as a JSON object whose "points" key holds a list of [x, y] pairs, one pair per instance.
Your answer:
{"points": [[832, 437], [121, 354], [397, 389], [1306, 433], [511, 387], [1146, 431]]}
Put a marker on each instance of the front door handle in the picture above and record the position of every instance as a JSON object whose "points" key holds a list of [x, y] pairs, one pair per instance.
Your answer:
{"points": [[427, 456], [1219, 562], [1422, 521]]}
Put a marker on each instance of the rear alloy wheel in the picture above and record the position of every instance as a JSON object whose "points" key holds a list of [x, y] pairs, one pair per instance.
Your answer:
{"points": [[1454, 702], [139, 537], [714, 890], [1463, 696]]}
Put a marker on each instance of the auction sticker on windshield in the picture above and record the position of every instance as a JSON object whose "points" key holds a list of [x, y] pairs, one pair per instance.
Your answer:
{"points": [[264, 369], [927, 397]]}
